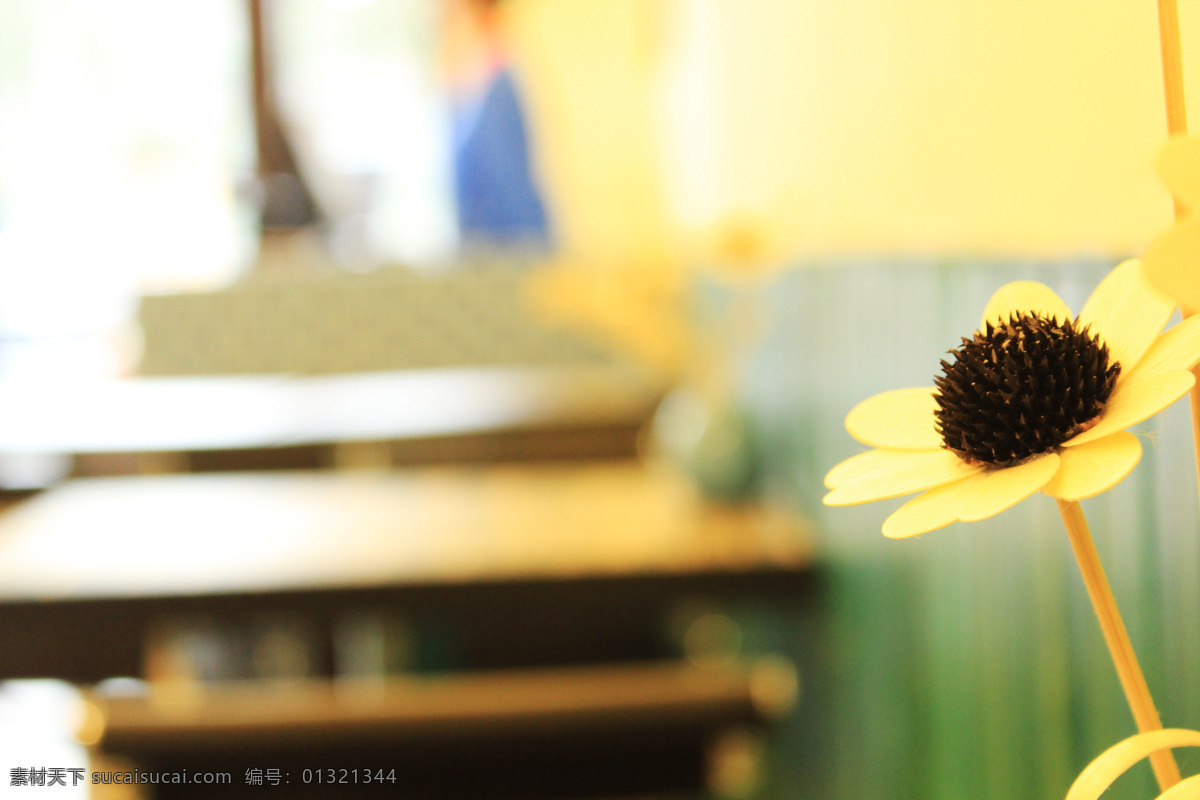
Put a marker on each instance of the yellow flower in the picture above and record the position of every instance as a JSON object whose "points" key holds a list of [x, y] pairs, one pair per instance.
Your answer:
{"points": [[1006, 386], [640, 307], [1172, 262], [744, 245]]}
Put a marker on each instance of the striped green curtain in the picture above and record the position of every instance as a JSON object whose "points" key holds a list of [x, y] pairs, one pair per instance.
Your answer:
{"points": [[966, 663]]}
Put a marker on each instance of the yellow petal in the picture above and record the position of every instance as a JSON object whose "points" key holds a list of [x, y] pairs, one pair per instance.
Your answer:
{"points": [[913, 471], [901, 419], [862, 464], [857, 465], [1024, 296], [1186, 789], [1178, 163], [1178, 348], [973, 498], [1136, 398], [926, 512], [1170, 262], [1127, 313], [993, 491], [1114, 761], [1096, 467]]}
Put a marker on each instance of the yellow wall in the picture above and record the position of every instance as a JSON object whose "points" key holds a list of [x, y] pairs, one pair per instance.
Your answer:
{"points": [[1017, 126], [587, 71]]}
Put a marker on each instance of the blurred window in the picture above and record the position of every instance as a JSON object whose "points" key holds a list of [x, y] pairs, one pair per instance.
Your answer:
{"points": [[360, 91], [127, 155], [123, 128]]}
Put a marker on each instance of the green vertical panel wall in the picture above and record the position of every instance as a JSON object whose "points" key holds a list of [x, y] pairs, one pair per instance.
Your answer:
{"points": [[966, 663]]}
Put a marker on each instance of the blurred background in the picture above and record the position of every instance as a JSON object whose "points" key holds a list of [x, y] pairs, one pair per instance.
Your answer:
{"points": [[758, 212]]}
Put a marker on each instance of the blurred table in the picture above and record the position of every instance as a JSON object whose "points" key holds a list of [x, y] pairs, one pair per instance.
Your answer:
{"points": [[632, 730], [512, 566], [272, 422], [536, 601]]}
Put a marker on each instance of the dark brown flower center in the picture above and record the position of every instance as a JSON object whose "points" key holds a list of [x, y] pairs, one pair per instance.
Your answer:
{"points": [[1022, 388]]}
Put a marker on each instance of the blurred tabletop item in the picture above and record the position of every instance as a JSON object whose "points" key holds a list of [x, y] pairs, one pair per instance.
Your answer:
{"points": [[180, 424]]}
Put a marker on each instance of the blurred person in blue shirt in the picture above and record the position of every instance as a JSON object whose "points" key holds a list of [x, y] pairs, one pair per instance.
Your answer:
{"points": [[497, 198]]}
